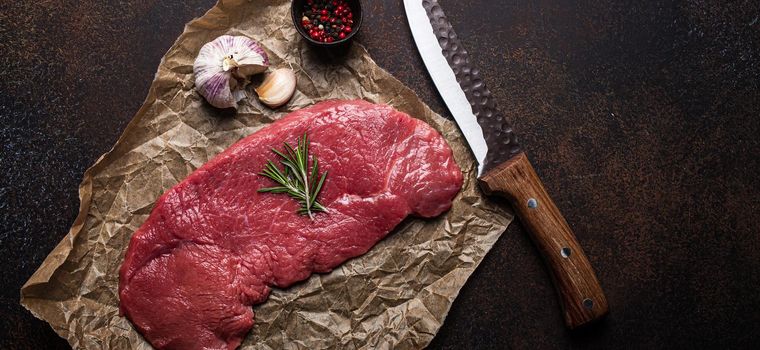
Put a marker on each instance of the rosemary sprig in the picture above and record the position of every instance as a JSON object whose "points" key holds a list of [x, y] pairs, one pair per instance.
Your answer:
{"points": [[296, 179]]}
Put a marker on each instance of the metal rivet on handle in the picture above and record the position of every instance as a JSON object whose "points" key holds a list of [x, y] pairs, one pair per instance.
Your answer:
{"points": [[565, 252], [532, 203], [588, 303]]}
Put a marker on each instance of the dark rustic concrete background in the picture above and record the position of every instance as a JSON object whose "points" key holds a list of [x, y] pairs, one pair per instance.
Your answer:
{"points": [[641, 117]]}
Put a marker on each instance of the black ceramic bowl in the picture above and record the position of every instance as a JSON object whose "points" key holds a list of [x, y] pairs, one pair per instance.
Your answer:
{"points": [[296, 8]]}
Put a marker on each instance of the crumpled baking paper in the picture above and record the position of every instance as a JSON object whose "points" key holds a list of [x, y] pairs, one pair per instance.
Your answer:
{"points": [[395, 296]]}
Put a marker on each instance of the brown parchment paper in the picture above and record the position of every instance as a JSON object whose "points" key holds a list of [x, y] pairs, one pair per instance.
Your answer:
{"points": [[395, 296]]}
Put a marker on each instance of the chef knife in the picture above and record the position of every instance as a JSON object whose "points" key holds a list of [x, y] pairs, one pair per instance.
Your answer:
{"points": [[503, 167]]}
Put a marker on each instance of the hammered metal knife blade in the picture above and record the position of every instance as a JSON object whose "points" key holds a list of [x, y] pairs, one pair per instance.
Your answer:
{"points": [[503, 168]]}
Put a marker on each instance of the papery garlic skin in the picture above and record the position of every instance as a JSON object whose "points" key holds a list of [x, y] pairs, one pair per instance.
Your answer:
{"points": [[223, 66], [278, 87]]}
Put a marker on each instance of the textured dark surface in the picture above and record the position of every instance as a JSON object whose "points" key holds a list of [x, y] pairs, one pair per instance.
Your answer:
{"points": [[641, 118], [497, 130]]}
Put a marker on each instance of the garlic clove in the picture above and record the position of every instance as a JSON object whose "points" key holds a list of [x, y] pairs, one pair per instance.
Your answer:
{"points": [[223, 66], [277, 88]]}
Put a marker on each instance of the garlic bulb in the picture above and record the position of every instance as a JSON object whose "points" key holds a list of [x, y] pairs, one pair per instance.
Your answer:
{"points": [[277, 88], [222, 67]]}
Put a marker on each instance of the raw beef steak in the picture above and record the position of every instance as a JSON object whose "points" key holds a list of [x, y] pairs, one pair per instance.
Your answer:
{"points": [[213, 245]]}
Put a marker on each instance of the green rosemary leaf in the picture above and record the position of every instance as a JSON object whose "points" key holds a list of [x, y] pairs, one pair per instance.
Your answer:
{"points": [[291, 153], [305, 152], [319, 188], [279, 189], [294, 168], [280, 154], [314, 171], [295, 178]]}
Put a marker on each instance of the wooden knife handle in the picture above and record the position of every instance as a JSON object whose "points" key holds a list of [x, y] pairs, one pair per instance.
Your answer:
{"points": [[580, 294]]}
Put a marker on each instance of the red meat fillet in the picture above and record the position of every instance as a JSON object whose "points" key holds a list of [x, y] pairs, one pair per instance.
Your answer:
{"points": [[213, 245]]}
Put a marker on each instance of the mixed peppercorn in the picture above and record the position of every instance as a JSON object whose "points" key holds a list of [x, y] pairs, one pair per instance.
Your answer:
{"points": [[327, 20]]}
